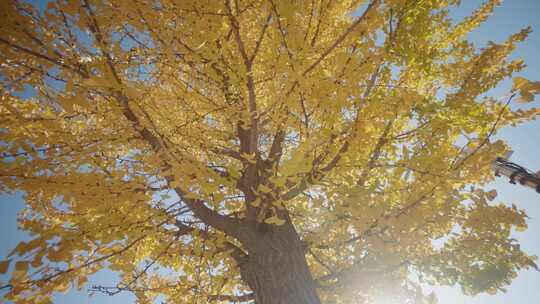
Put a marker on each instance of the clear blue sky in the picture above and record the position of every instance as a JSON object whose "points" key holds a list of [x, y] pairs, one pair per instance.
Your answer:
{"points": [[525, 140]]}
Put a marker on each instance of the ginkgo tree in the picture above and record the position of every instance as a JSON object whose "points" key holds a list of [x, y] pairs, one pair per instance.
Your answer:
{"points": [[256, 150]]}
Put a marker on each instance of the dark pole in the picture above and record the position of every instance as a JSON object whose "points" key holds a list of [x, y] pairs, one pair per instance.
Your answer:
{"points": [[516, 173]]}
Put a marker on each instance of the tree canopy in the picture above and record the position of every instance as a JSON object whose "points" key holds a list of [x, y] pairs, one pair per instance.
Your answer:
{"points": [[267, 150]]}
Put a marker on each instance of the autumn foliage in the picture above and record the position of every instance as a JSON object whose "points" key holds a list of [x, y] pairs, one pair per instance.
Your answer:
{"points": [[276, 151]]}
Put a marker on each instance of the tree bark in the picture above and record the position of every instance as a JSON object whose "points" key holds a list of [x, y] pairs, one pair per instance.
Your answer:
{"points": [[276, 269]]}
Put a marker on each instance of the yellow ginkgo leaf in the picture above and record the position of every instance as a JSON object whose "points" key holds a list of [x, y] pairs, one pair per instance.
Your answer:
{"points": [[274, 220], [491, 195], [264, 189], [256, 203], [527, 89], [4, 265], [21, 266], [525, 96], [519, 83], [521, 228]]}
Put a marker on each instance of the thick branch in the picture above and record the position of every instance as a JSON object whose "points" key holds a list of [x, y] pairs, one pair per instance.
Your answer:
{"points": [[54, 61], [261, 37], [200, 210]]}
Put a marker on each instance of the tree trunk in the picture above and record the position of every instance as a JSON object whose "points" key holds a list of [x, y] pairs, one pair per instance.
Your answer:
{"points": [[276, 268]]}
